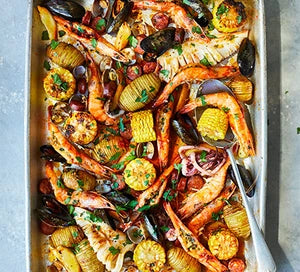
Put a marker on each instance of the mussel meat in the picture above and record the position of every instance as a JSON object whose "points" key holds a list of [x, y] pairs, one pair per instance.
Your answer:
{"points": [[60, 112], [102, 8], [202, 14], [53, 213], [159, 42], [50, 154], [185, 129], [153, 229], [67, 9], [246, 58], [114, 24], [145, 150], [248, 182]]}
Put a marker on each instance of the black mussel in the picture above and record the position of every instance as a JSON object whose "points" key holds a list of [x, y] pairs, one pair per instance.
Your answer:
{"points": [[50, 154], [159, 42], [102, 8], [105, 217], [149, 57], [248, 182], [114, 24], [199, 11], [246, 58], [104, 187], [117, 198], [185, 129], [67, 9], [153, 228], [53, 213]]}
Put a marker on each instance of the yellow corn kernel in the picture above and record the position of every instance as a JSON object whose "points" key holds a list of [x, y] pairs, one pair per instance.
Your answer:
{"points": [[142, 126], [139, 174], [213, 123], [149, 256]]}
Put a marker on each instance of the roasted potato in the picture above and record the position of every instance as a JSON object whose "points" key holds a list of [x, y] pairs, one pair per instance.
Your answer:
{"points": [[67, 236], [122, 36], [67, 258], [78, 179], [49, 22]]}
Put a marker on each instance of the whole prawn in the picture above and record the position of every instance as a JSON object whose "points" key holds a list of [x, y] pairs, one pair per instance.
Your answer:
{"points": [[163, 118], [73, 156], [191, 244], [177, 13], [203, 217], [88, 37], [211, 189], [84, 199], [194, 73], [236, 116]]}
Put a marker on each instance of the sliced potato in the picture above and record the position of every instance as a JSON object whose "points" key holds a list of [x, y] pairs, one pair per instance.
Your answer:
{"points": [[67, 258], [122, 36], [67, 236], [78, 179], [48, 22]]}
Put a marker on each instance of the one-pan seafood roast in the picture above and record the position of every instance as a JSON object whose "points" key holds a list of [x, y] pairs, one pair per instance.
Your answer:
{"points": [[142, 99]]}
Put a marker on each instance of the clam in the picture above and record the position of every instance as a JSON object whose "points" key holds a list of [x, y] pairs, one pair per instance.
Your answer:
{"points": [[67, 9], [50, 154], [79, 71], [135, 234], [145, 150], [246, 58], [105, 63], [60, 112], [185, 129], [114, 24], [159, 42], [248, 182]]}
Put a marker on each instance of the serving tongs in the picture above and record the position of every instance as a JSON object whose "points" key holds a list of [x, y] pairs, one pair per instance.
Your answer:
{"points": [[264, 257]]}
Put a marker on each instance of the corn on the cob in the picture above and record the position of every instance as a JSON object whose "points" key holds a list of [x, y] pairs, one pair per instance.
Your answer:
{"points": [[142, 126], [213, 123], [139, 174], [149, 256]]}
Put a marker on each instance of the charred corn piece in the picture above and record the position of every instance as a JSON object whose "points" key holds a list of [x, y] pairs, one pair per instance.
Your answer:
{"points": [[223, 244], [213, 123], [59, 84], [149, 256], [142, 126], [179, 260], [139, 174], [67, 236], [87, 258]]}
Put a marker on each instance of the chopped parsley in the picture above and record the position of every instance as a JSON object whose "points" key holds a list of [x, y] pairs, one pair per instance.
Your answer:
{"points": [[133, 42], [61, 33], [75, 234], [171, 98], [203, 156], [225, 109], [80, 29], [114, 250], [164, 228], [146, 182], [131, 204], [222, 9], [144, 97], [80, 183], [118, 166], [45, 35], [79, 159], [92, 217], [116, 237], [71, 209], [67, 201], [298, 130], [144, 208], [178, 166], [211, 36], [120, 208], [205, 61], [60, 184], [178, 47], [94, 42], [203, 100], [168, 196], [54, 44], [115, 156], [210, 26], [174, 183], [101, 23], [239, 19], [165, 73], [216, 216], [115, 185], [236, 116], [196, 29], [47, 65], [61, 84], [137, 233]]}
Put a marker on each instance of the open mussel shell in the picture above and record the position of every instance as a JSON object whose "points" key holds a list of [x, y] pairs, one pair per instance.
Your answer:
{"points": [[248, 182], [153, 229], [185, 129], [105, 217], [67, 9], [159, 42], [114, 24], [60, 112], [211, 86], [53, 213], [203, 15], [117, 198], [104, 186], [246, 58], [50, 154], [134, 234], [102, 8]]}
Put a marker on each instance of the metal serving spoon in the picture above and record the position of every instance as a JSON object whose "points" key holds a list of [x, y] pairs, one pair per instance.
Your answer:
{"points": [[264, 257]]}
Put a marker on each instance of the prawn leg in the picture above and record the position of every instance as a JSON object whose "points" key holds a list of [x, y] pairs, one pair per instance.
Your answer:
{"points": [[177, 13], [210, 190], [83, 199], [191, 244], [163, 119], [73, 156], [153, 194], [215, 206], [88, 37], [235, 114], [190, 74]]}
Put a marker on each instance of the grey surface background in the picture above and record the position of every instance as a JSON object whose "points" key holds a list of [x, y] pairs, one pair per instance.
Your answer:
{"points": [[283, 196]]}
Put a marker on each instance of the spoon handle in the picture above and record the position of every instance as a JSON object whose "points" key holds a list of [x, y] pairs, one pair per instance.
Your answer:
{"points": [[263, 255]]}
